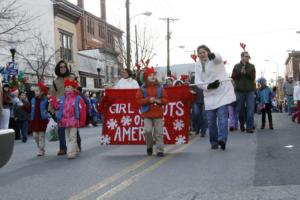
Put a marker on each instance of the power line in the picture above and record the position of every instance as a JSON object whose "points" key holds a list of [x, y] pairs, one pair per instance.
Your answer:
{"points": [[241, 34]]}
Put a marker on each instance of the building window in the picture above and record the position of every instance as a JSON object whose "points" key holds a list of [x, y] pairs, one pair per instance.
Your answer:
{"points": [[66, 46], [90, 25], [110, 39], [83, 81], [101, 30], [96, 83]]}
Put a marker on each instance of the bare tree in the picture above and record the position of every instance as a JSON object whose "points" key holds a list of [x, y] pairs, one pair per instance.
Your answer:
{"points": [[12, 19], [145, 48], [38, 57], [145, 45]]}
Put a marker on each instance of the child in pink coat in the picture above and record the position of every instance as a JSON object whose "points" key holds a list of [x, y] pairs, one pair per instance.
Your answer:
{"points": [[68, 114]]}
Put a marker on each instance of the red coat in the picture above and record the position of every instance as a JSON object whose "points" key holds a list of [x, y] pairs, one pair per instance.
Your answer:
{"points": [[155, 111], [37, 124]]}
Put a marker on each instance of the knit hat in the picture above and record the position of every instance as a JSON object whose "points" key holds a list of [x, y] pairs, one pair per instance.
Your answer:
{"points": [[43, 88], [178, 82], [170, 78], [5, 85], [148, 71], [262, 81], [70, 82], [184, 77]]}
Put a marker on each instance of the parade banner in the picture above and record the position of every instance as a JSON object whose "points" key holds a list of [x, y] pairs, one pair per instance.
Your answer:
{"points": [[123, 123]]}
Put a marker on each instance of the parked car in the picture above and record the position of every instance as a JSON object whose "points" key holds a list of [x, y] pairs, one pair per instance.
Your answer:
{"points": [[7, 139]]}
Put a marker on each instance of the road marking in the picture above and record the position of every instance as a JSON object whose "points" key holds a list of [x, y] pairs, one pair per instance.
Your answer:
{"points": [[114, 177], [289, 146], [126, 183]]}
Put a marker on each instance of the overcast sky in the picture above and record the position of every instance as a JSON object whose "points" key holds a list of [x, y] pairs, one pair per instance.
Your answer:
{"points": [[268, 28]]}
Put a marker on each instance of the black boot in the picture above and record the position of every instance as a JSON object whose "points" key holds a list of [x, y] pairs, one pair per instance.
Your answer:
{"points": [[242, 128], [149, 151], [271, 125], [222, 144]]}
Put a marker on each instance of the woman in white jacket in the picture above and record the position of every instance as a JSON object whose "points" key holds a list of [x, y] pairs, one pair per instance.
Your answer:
{"points": [[296, 114], [127, 82], [211, 77]]}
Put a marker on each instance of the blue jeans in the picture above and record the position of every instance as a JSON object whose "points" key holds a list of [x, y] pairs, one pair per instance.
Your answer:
{"points": [[23, 126], [218, 130], [290, 101], [233, 119], [245, 108], [199, 120], [62, 139]]}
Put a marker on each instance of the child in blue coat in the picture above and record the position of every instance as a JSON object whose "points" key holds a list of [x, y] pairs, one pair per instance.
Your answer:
{"points": [[265, 102]]}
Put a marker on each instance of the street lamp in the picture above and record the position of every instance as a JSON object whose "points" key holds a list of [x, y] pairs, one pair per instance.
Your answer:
{"points": [[143, 13], [13, 47], [99, 71], [169, 73], [136, 41], [99, 78], [277, 68], [128, 48]]}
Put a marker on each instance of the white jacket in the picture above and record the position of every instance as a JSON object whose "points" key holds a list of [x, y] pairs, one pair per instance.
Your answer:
{"points": [[214, 70], [128, 83], [297, 92]]}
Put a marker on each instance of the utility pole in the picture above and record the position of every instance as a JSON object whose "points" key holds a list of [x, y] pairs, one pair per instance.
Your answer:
{"points": [[128, 48], [168, 42], [136, 47]]}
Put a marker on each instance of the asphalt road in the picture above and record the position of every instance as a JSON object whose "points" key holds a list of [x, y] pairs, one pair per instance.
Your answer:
{"points": [[263, 165]]}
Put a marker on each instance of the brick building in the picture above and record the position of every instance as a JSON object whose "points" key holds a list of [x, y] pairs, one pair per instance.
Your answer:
{"points": [[293, 65], [66, 18], [97, 44]]}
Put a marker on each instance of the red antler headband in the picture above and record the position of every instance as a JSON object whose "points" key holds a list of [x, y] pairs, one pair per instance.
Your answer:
{"points": [[148, 71], [43, 87], [69, 82], [243, 46]]}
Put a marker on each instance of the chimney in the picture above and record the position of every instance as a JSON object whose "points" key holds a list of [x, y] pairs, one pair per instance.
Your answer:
{"points": [[103, 9], [80, 3]]}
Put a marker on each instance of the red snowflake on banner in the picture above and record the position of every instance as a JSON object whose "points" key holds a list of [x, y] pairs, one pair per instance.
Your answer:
{"points": [[112, 124], [105, 139], [126, 120], [178, 125], [180, 139]]}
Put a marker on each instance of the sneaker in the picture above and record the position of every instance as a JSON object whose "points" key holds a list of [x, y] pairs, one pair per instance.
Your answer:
{"points": [[202, 135], [231, 129], [24, 140], [40, 154], [222, 144], [70, 157], [160, 154], [61, 152], [149, 151]]}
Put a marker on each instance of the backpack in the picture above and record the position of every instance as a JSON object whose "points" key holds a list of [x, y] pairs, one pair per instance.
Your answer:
{"points": [[82, 112], [145, 108]]}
